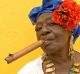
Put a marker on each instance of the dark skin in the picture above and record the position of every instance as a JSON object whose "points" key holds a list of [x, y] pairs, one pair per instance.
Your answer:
{"points": [[57, 42]]}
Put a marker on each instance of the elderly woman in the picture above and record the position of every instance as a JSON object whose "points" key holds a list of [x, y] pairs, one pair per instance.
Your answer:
{"points": [[57, 23]]}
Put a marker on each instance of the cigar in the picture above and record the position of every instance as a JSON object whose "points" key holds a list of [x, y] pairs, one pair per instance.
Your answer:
{"points": [[15, 56]]}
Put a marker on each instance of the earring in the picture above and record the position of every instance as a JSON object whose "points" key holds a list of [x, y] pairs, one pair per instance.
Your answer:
{"points": [[71, 51]]}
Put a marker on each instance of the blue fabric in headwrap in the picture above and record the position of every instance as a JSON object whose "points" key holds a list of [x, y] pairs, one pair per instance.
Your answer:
{"points": [[76, 33], [49, 6]]}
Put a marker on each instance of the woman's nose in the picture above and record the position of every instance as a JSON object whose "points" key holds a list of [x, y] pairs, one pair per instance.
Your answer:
{"points": [[45, 31]]}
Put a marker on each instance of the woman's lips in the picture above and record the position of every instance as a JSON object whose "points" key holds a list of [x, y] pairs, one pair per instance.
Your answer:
{"points": [[46, 43]]}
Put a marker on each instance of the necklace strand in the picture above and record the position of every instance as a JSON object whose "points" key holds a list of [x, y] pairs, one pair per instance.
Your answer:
{"points": [[50, 67]]}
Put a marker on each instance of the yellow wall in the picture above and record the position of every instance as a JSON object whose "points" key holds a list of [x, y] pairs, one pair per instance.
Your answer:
{"points": [[17, 32]]}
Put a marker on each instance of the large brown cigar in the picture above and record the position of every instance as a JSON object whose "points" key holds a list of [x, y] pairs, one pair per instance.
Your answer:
{"points": [[21, 53]]}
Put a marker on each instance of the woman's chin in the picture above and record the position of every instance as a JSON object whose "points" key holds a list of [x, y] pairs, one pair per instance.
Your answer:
{"points": [[50, 49]]}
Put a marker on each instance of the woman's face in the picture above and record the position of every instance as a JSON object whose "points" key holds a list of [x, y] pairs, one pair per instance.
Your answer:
{"points": [[56, 37]]}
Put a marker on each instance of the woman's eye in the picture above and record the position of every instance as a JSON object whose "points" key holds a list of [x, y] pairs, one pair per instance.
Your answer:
{"points": [[51, 24], [38, 28]]}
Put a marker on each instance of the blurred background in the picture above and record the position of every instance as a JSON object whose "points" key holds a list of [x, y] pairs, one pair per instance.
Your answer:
{"points": [[17, 32]]}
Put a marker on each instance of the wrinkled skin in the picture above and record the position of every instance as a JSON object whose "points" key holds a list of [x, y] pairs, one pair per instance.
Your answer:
{"points": [[56, 36], [57, 43]]}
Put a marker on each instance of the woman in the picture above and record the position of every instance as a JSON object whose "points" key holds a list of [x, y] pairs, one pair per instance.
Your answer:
{"points": [[56, 26]]}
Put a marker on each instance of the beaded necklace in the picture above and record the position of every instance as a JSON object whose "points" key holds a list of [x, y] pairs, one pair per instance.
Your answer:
{"points": [[49, 65], [50, 68]]}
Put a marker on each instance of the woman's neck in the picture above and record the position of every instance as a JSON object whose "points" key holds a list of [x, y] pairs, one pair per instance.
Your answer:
{"points": [[60, 57]]}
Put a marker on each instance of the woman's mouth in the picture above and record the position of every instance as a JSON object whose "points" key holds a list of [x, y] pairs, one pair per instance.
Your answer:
{"points": [[47, 43]]}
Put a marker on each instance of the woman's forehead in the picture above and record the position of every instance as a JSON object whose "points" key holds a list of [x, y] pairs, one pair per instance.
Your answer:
{"points": [[44, 17]]}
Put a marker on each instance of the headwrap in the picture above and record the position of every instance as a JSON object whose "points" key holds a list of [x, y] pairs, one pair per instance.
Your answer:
{"points": [[47, 6], [76, 33], [57, 7]]}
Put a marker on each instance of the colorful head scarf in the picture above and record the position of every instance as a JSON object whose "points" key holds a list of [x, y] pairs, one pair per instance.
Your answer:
{"points": [[61, 11], [47, 6]]}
